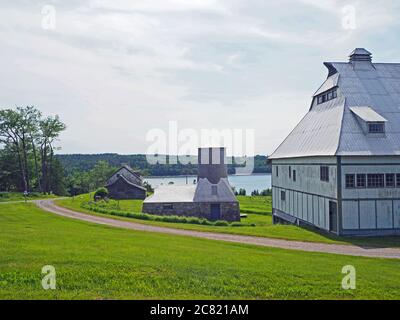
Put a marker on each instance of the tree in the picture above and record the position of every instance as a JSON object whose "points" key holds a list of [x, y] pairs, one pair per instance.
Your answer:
{"points": [[10, 123], [24, 134], [50, 128], [100, 173]]}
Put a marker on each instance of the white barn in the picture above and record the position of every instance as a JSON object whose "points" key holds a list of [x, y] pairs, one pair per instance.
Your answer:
{"points": [[339, 169]]}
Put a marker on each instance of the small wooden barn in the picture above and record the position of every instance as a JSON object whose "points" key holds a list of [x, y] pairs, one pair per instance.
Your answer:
{"points": [[125, 183]]}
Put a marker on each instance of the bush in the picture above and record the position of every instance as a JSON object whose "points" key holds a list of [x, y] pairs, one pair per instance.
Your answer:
{"points": [[221, 223], [111, 208], [193, 220], [101, 193], [236, 224]]}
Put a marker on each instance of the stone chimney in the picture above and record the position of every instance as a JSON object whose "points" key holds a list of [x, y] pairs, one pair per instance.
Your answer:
{"points": [[211, 164]]}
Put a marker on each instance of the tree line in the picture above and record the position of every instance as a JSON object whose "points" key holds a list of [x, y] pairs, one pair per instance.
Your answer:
{"points": [[27, 161], [85, 162]]}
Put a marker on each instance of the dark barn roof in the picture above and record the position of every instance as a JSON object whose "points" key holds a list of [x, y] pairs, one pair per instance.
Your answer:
{"points": [[121, 177]]}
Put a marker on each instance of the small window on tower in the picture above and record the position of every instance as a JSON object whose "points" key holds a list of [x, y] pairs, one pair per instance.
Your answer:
{"points": [[214, 190]]}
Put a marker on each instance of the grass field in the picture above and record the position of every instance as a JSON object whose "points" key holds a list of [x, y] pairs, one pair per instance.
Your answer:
{"points": [[261, 219], [100, 262], [17, 196]]}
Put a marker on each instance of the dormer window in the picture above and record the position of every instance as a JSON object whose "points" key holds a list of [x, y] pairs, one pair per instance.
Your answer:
{"points": [[376, 127], [370, 121], [327, 96]]}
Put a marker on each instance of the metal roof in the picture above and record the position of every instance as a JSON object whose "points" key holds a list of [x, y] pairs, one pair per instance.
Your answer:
{"points": [[202, 192], [367, 114], [172, 194], [122, 177], [223, 191], [331, 128]]}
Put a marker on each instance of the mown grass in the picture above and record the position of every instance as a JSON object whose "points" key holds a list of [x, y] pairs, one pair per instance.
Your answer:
{"points": [[17, 196], [99, 262], [256, 224]]}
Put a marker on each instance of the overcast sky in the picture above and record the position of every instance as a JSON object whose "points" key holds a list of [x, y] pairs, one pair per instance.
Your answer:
{"points": [[113, 70]]}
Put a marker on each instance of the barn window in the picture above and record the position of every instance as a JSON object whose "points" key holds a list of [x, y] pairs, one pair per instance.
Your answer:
{"points": [[376, 127], [214, 190], [290, 172], [168, 206], [390, 182], [277, 171], [324, 173], [361, 181], [350, 181], [398, 180], [327, 96], [294, 175], [376, 180], [283, 195]]}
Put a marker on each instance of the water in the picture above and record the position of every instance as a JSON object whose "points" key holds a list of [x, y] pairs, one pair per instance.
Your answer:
{"points": [[249, 183]]}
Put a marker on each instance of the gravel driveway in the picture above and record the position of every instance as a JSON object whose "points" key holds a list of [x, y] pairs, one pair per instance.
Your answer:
{"points": [[50, 206]]}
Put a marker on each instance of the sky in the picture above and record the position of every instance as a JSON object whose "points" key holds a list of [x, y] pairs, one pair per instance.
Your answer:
{"points": [[118, 72]]}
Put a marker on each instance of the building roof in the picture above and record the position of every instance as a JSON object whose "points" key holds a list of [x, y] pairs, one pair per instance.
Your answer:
{"points": [[136, 173], [367, 114], [331, 128], [123, 178], [202, 192], [172, 194], [222, 191]]}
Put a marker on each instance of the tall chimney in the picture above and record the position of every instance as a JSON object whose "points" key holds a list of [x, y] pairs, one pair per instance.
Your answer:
{"points": [[212, 164]]}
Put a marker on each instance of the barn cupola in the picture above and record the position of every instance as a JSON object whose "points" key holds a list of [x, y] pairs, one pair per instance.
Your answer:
{"points": [[360, 54], [361, 59], [211, 164]]}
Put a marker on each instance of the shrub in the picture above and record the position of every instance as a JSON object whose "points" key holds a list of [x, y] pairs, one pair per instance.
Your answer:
{"points": [[193, 220], [221, 223], [101, 193], [236, 224], [111, 208]]}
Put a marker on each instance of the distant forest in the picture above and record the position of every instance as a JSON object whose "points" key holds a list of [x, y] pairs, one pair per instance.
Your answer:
{"points": [[86, 162]]}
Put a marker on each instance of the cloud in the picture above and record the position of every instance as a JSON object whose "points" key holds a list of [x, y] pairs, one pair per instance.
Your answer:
{"points": [[115, 69]]}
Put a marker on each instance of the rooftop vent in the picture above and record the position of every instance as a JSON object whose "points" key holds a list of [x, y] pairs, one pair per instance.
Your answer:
{"points": [[360, 54]]}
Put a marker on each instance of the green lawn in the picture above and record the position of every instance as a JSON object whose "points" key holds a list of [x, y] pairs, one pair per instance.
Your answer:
{"points": [[18, 196], [99, 262], [262, 221]]}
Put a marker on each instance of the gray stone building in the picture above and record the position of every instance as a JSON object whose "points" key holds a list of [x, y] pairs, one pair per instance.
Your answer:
{"points": [[126, 184], [339, 169], [211, 198]]}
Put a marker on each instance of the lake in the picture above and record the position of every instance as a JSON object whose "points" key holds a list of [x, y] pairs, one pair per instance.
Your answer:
{"points": [[249, 183]]}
